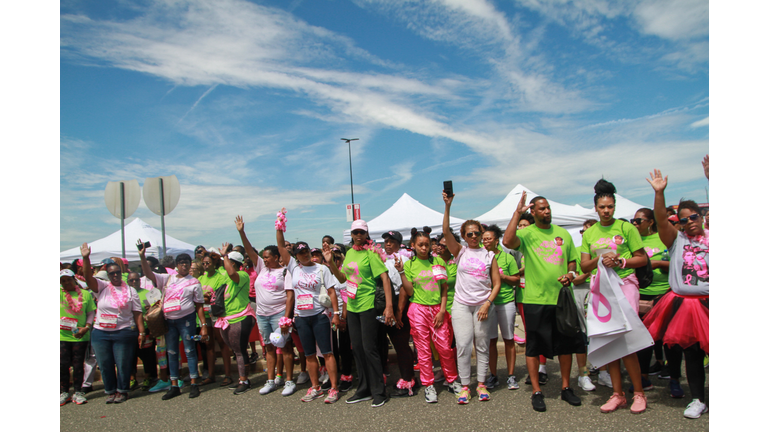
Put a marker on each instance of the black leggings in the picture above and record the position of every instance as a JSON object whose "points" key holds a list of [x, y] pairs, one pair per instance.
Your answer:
{"points": [[342, 351], [694, 367], [236, 337], [148, 360], [71, 354], [399, 338]]}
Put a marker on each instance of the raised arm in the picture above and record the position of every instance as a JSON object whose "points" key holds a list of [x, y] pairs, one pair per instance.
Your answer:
{"points": [[85, 251], [284, 254], [450, 241], [145, 264], [510, 239], [231, 272], [667, 231], [252, 253], [332, 266], [705, 164]]}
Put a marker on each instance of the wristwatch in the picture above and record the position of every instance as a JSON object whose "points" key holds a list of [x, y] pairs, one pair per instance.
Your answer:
{"points": [[337, 313]]}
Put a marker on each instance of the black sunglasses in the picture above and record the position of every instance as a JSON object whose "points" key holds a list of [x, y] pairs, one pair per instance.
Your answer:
{"points": [[115, 273], [358, 232], [134, 280], [693, 218], [637, 221], [473, 234]]}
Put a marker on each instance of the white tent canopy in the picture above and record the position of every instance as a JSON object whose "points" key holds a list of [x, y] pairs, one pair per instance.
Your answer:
{"points": [[111, 245], [405, 214]]}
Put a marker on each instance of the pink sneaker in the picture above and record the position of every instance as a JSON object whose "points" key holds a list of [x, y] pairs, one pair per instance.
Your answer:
{"points": [[639, 403], [615, 402]]}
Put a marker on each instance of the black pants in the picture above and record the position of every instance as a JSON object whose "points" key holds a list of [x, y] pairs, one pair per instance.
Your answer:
{"points": [[363, 333], [148, 360], [71, 355], [342, 351], [399, 338], [694, 367]]}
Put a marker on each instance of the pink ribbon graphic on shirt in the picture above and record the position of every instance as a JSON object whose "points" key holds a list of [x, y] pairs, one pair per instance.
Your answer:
{"points": [[598, 298]]}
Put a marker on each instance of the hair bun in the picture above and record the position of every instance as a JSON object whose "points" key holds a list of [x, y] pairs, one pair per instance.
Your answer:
{"points": [[414, 231], [604, 187], [427, 230]]}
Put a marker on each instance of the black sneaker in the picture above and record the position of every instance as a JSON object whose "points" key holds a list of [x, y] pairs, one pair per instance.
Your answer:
{"points": [[537, 400], [655, 369], [172, 393], [194, 391], [398, 392], [567, 395], [543, 378], [242, 387], [345, 386], [325, 386], [358, 398], [664, 374], [379, 401], [253, 358]]}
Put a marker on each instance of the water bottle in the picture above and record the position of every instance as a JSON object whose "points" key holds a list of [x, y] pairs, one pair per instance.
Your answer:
{"points": [[381, 319], [197, 338], [665, 255]]}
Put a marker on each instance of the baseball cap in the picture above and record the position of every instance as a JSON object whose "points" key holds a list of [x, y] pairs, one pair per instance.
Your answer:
{"points": [[359, 224], [394, 235], [236, 256]]}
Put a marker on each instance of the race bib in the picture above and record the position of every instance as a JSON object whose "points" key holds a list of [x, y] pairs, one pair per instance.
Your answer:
{"points": [[522, 282], [207, 307], [107, 320], [440, 272], [68, 323], [351, 289], [172, 305], [304, 302]]}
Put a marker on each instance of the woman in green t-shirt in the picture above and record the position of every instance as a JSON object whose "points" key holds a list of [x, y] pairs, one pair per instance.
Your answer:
{"points": [[619, 246], [76, 312]]}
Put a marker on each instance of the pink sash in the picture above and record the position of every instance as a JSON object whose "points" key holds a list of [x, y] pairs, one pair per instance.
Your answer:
{"points": [[223, 322]]}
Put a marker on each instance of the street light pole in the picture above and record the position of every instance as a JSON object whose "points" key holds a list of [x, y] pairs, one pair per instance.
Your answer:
{"points": [[351, 188]]}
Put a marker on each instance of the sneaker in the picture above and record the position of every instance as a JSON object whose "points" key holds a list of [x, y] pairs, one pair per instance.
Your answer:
{"points": [[161, 385], [463, 397], [312, 394], [121, 397], [289, 388], [594, 370], [675, 390], [439, 376], [111, 398], [172, 393], [346, 383], [647, 385], [146, 384], [133, 384], [615, 402], [454, 387], [302, 378], [324, 375], [253, 358], [235, 384], [333, 396], [543, 378], [512, 383], [492, 381], [358, 398], [430, 394], [482, 393], [194, 391], [64, 398], [639, 403], [604, 379], [695, 409], [537, 400], [586, 383], [269, 387], [567, 395], [326, 385], [279, 381], [79, 398], [655, 369], [664, 374], [379, 401], [242, 387], [86, 389]]}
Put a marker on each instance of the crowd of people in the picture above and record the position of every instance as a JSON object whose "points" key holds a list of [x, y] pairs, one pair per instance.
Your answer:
{"points": [[340, 306]]}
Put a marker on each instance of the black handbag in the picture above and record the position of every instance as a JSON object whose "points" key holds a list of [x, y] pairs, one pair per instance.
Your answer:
{"points": [[567, 314], [217, 301], [644, 274]]}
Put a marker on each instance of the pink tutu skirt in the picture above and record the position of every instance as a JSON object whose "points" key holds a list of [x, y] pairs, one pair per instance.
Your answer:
{"points": [[680, 320]]}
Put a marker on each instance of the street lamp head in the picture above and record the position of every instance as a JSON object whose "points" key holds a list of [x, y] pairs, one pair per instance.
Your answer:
{"points": [[349, 139]]}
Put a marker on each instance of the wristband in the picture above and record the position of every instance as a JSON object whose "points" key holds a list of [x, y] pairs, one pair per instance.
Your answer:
{"points": [[142, 334], [204, 325], [623, 262], [401, 272], [573, 273]]}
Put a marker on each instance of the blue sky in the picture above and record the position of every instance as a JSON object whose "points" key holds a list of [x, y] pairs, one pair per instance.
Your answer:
{"points": [[246, 102]]}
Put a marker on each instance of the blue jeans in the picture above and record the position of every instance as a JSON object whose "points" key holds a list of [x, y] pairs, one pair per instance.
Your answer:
{"points": [[115, 348], [186, 328], [269, 324]]}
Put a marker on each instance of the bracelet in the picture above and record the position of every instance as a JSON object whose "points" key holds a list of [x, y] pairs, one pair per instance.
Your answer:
{"points": [[204, 325], [401, 272], [142, 334], [623, 262]]}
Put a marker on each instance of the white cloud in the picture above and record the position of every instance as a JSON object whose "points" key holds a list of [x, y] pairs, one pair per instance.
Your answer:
{"points": [[674, 19], [700, 123]]}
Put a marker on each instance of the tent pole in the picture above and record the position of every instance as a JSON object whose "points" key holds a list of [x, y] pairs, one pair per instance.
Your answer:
{"points": [[122, 215], [162, 213]]}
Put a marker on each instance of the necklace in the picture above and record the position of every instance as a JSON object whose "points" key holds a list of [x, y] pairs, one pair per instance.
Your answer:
{"points": [[74, 307], [118, 301]]}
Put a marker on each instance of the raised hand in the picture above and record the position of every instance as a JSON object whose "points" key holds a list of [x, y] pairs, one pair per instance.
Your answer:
{"points": [[223, 249], [239, 224], [398, 263], [85, 250], [658, 182], [142, 249], [705, 164], [521, 206], [448, 199], [327, 253]]}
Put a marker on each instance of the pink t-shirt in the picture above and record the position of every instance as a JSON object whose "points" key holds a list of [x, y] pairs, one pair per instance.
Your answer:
{"points": [[270, 287], [110, 318], [473, 276], [252, 273], [181, 294]]}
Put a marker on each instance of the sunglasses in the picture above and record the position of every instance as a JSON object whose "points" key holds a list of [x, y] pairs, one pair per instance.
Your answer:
{"points": [[637, 221], [115, 273], [358, 232], [693, 218], [184, 263], [134, 280], [581, 231], [473, 234]]}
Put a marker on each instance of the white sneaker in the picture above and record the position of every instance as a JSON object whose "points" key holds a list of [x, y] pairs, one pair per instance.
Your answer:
{"points": [[79, 398], [430, 394], [604, 378], [289, 389], [586, 384], [65, 397], [695, 409], [455, 387], [269, 387], [302, 378], [512, 383], [279, 381]]}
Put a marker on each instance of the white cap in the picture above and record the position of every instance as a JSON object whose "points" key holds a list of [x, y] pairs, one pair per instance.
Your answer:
{"points": [[66, 272], [278, 339], [236, 256]]}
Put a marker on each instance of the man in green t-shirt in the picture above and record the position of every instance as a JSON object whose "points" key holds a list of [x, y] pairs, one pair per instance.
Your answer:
{"points": [[550, 264]]}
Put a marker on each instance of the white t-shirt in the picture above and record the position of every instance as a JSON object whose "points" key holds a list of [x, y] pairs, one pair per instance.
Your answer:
{"points": [[181, 294], [306, 286], [270, 286], [110, 318], [473, 276], [394, 276]]}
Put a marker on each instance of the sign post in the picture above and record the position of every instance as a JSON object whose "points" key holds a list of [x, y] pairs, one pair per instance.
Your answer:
{"points": [[122, 199], [161, 194]]}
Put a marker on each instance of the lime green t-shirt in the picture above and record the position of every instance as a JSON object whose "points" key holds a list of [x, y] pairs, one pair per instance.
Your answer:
{"points": [[236, 296], [361, 268], [426, 289], [655, 248], [89, 305], [452, 269], [507, 267], [209, 284], [547, 254], [579, 272], [621, 238]]}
